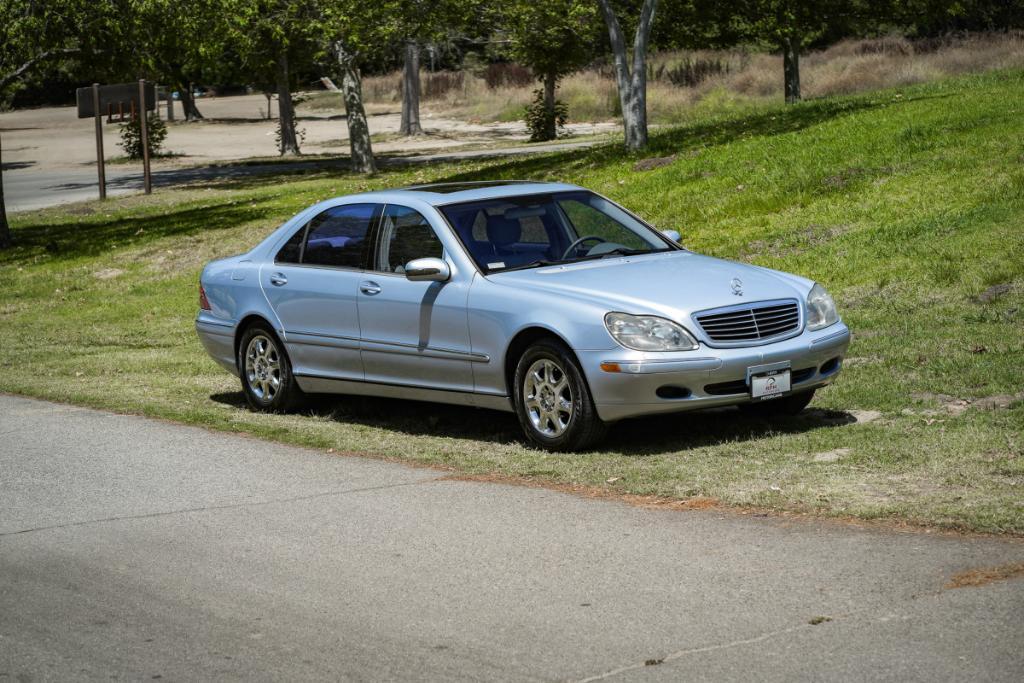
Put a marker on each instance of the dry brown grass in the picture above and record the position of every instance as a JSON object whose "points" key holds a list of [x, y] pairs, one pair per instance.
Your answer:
{"points": [[747, 78], [986, 575]]}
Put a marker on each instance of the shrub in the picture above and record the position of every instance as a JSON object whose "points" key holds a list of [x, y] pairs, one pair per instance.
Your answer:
{"points": [[690, 73], [300, 134], [542, 124], [131, 136]]}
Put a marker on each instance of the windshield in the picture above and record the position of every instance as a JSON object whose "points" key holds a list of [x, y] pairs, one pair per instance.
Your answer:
{"points": [[540, 230]]}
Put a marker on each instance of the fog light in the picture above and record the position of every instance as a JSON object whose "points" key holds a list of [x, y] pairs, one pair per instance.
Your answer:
{"points": [[671, 391]]}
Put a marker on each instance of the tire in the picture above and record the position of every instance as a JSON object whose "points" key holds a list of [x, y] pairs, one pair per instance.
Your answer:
{"points": [[266, 371], [789, 405], [552, 399]]}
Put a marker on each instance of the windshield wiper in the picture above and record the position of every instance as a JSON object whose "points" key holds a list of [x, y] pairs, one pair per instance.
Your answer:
{"points": [[539, 263], [626, 251]]}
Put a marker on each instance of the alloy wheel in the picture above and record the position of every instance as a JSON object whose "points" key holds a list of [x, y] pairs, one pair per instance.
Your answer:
{"points": [[548, 397], [263, 368]]}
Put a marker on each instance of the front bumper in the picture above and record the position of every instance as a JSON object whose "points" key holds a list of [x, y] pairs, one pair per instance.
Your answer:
{"points": [[650, 383]]}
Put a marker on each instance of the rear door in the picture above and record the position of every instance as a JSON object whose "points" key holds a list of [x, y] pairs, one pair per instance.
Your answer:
{"points": [[312, 286], [414, 333]]}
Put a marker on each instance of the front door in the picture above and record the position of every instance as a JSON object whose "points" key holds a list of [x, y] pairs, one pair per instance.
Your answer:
{"points": [[413, 333], [312, 287]]}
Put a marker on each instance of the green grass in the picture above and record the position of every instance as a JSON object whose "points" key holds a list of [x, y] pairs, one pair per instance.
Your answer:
{"points": [[906, 204]]}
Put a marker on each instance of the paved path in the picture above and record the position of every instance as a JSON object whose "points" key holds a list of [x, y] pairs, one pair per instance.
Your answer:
{"points": [[26, 189], [137, 549]]}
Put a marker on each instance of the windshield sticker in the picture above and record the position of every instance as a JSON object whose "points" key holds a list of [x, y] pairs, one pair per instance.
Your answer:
{"points": [[495, 265]]}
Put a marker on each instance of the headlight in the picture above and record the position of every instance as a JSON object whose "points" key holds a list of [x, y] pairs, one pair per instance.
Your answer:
{"points": [[821, 310], [648, 333]]}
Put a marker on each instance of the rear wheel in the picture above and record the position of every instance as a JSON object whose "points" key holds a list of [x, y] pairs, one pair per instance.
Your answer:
{"points": [[265, 371], [788, 405], [552, 399]]}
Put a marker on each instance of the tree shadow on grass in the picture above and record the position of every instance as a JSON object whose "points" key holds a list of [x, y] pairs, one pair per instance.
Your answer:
{"points": [[258, 173], [91, 236], [638, 437], [681, 140]]}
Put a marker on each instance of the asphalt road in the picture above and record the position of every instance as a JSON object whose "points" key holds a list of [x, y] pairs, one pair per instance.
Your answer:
{"points": [[137, 549], [27, 189]]}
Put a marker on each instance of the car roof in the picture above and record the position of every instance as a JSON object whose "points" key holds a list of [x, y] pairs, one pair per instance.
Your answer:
{"points": [[437, 194]]}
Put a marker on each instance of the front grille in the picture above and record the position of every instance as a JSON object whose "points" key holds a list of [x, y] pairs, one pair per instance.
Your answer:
{"points": [[750, 323]]}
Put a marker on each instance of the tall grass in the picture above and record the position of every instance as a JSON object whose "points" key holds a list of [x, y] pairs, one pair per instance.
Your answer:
{"points": [[683, 84]]}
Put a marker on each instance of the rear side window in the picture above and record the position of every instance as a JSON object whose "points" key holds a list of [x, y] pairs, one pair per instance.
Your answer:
{"points": [[404, 235], [337, 236]]}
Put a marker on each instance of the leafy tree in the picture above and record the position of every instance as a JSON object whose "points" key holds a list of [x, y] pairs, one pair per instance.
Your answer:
{"points": [[631, 78], [414, 23], [792, 25], [179, 43], [698, 25], [935, 17], [360, 147], [354, 31], [273, 36], [554, 39], [37, 34]]}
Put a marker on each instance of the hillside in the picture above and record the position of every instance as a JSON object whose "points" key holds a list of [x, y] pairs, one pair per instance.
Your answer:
{"points": [[907, 204]]}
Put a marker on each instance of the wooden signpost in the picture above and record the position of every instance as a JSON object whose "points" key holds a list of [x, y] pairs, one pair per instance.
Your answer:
{"points": [[121, 102]]}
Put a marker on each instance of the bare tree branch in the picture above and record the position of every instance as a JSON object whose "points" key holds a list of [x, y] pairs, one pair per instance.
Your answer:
{"points": [[20, 71]]}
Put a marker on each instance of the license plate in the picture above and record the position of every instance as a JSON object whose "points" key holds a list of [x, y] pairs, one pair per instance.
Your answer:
{"points": [[770, 384]]}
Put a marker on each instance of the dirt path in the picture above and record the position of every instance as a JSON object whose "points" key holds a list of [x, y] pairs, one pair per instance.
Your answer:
{"points": [[51, 139]]}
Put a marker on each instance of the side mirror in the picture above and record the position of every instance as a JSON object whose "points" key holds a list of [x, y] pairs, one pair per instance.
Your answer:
{"points": [[427, 270], [672, 235]]}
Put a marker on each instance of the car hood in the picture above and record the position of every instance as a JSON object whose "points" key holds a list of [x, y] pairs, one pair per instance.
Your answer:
{"points": [[674, 285]]}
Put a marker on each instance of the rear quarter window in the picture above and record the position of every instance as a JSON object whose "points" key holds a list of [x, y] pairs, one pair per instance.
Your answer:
{"points": [[291, 252]]}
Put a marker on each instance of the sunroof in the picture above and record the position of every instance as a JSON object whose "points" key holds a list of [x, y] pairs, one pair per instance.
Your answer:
{"points": [[449, 188]]}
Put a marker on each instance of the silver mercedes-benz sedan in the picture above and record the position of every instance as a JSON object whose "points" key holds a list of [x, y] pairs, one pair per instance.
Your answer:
{"points": [[544, 299]]}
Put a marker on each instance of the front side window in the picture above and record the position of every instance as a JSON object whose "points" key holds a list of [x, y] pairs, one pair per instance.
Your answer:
{"points": [[537, 230], [404, 235], [337, 236]]}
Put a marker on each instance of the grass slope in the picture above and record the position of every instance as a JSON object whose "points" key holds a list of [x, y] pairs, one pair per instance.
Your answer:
{"points": [[907, 204]]}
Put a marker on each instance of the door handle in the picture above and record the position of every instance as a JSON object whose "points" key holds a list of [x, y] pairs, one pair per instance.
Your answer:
{"points": [[278, 279], [369, 287]]}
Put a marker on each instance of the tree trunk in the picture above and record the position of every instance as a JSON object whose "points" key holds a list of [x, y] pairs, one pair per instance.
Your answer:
{"points": [[358, 129], [5, 228], [188, 103], [550, 125], [631, 81], [411, 91], [289, 144], [791, 68]]}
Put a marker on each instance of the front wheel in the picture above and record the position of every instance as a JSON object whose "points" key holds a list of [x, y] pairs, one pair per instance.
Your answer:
{"points": [[266, 372], [552, 399], [787, 405]]}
